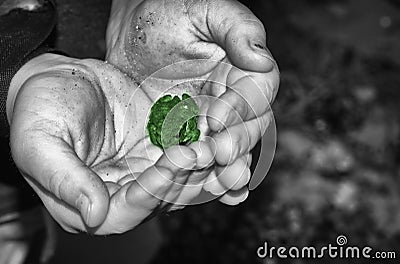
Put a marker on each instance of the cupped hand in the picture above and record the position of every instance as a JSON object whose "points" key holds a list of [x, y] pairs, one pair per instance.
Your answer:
{"points": [[78, 135], [215, 48]]}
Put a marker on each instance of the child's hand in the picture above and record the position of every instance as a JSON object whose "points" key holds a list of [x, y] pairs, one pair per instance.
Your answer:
{"points": [[78, 135], [177, 41]]}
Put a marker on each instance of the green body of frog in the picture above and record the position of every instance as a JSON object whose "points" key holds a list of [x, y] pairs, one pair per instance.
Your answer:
{"points": [[173, 121]]}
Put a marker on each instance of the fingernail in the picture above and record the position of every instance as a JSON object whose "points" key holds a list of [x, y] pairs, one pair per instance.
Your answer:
{"points": [[262, 50], [84, 206]]}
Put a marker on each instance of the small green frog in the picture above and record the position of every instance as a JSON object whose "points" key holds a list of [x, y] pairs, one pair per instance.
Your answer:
{"points": [[173, 121]]}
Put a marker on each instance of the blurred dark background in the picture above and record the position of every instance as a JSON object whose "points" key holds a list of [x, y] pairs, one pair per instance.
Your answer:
{"points": [[336, 168]]}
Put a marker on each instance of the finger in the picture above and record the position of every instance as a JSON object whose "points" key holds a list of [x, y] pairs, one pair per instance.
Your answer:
{"points": [[235, 28], [204, 153], [178, 159], [136, 200], [50, 162], [181, 161], [160, 183], [213, 186], [239, 139], [249, 159], [129, 205], [66, 216], [189, 183], [191, 190], [247, 96], [128, 178], [234, 176], [203, 101], [235, 197]]}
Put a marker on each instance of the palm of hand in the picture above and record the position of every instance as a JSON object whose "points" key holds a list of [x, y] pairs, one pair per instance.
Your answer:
{"points": [[134, 153], [127, 152]]}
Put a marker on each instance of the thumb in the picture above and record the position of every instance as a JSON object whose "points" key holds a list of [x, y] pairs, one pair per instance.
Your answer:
{"points": [[56, 168], [236, 29]]}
